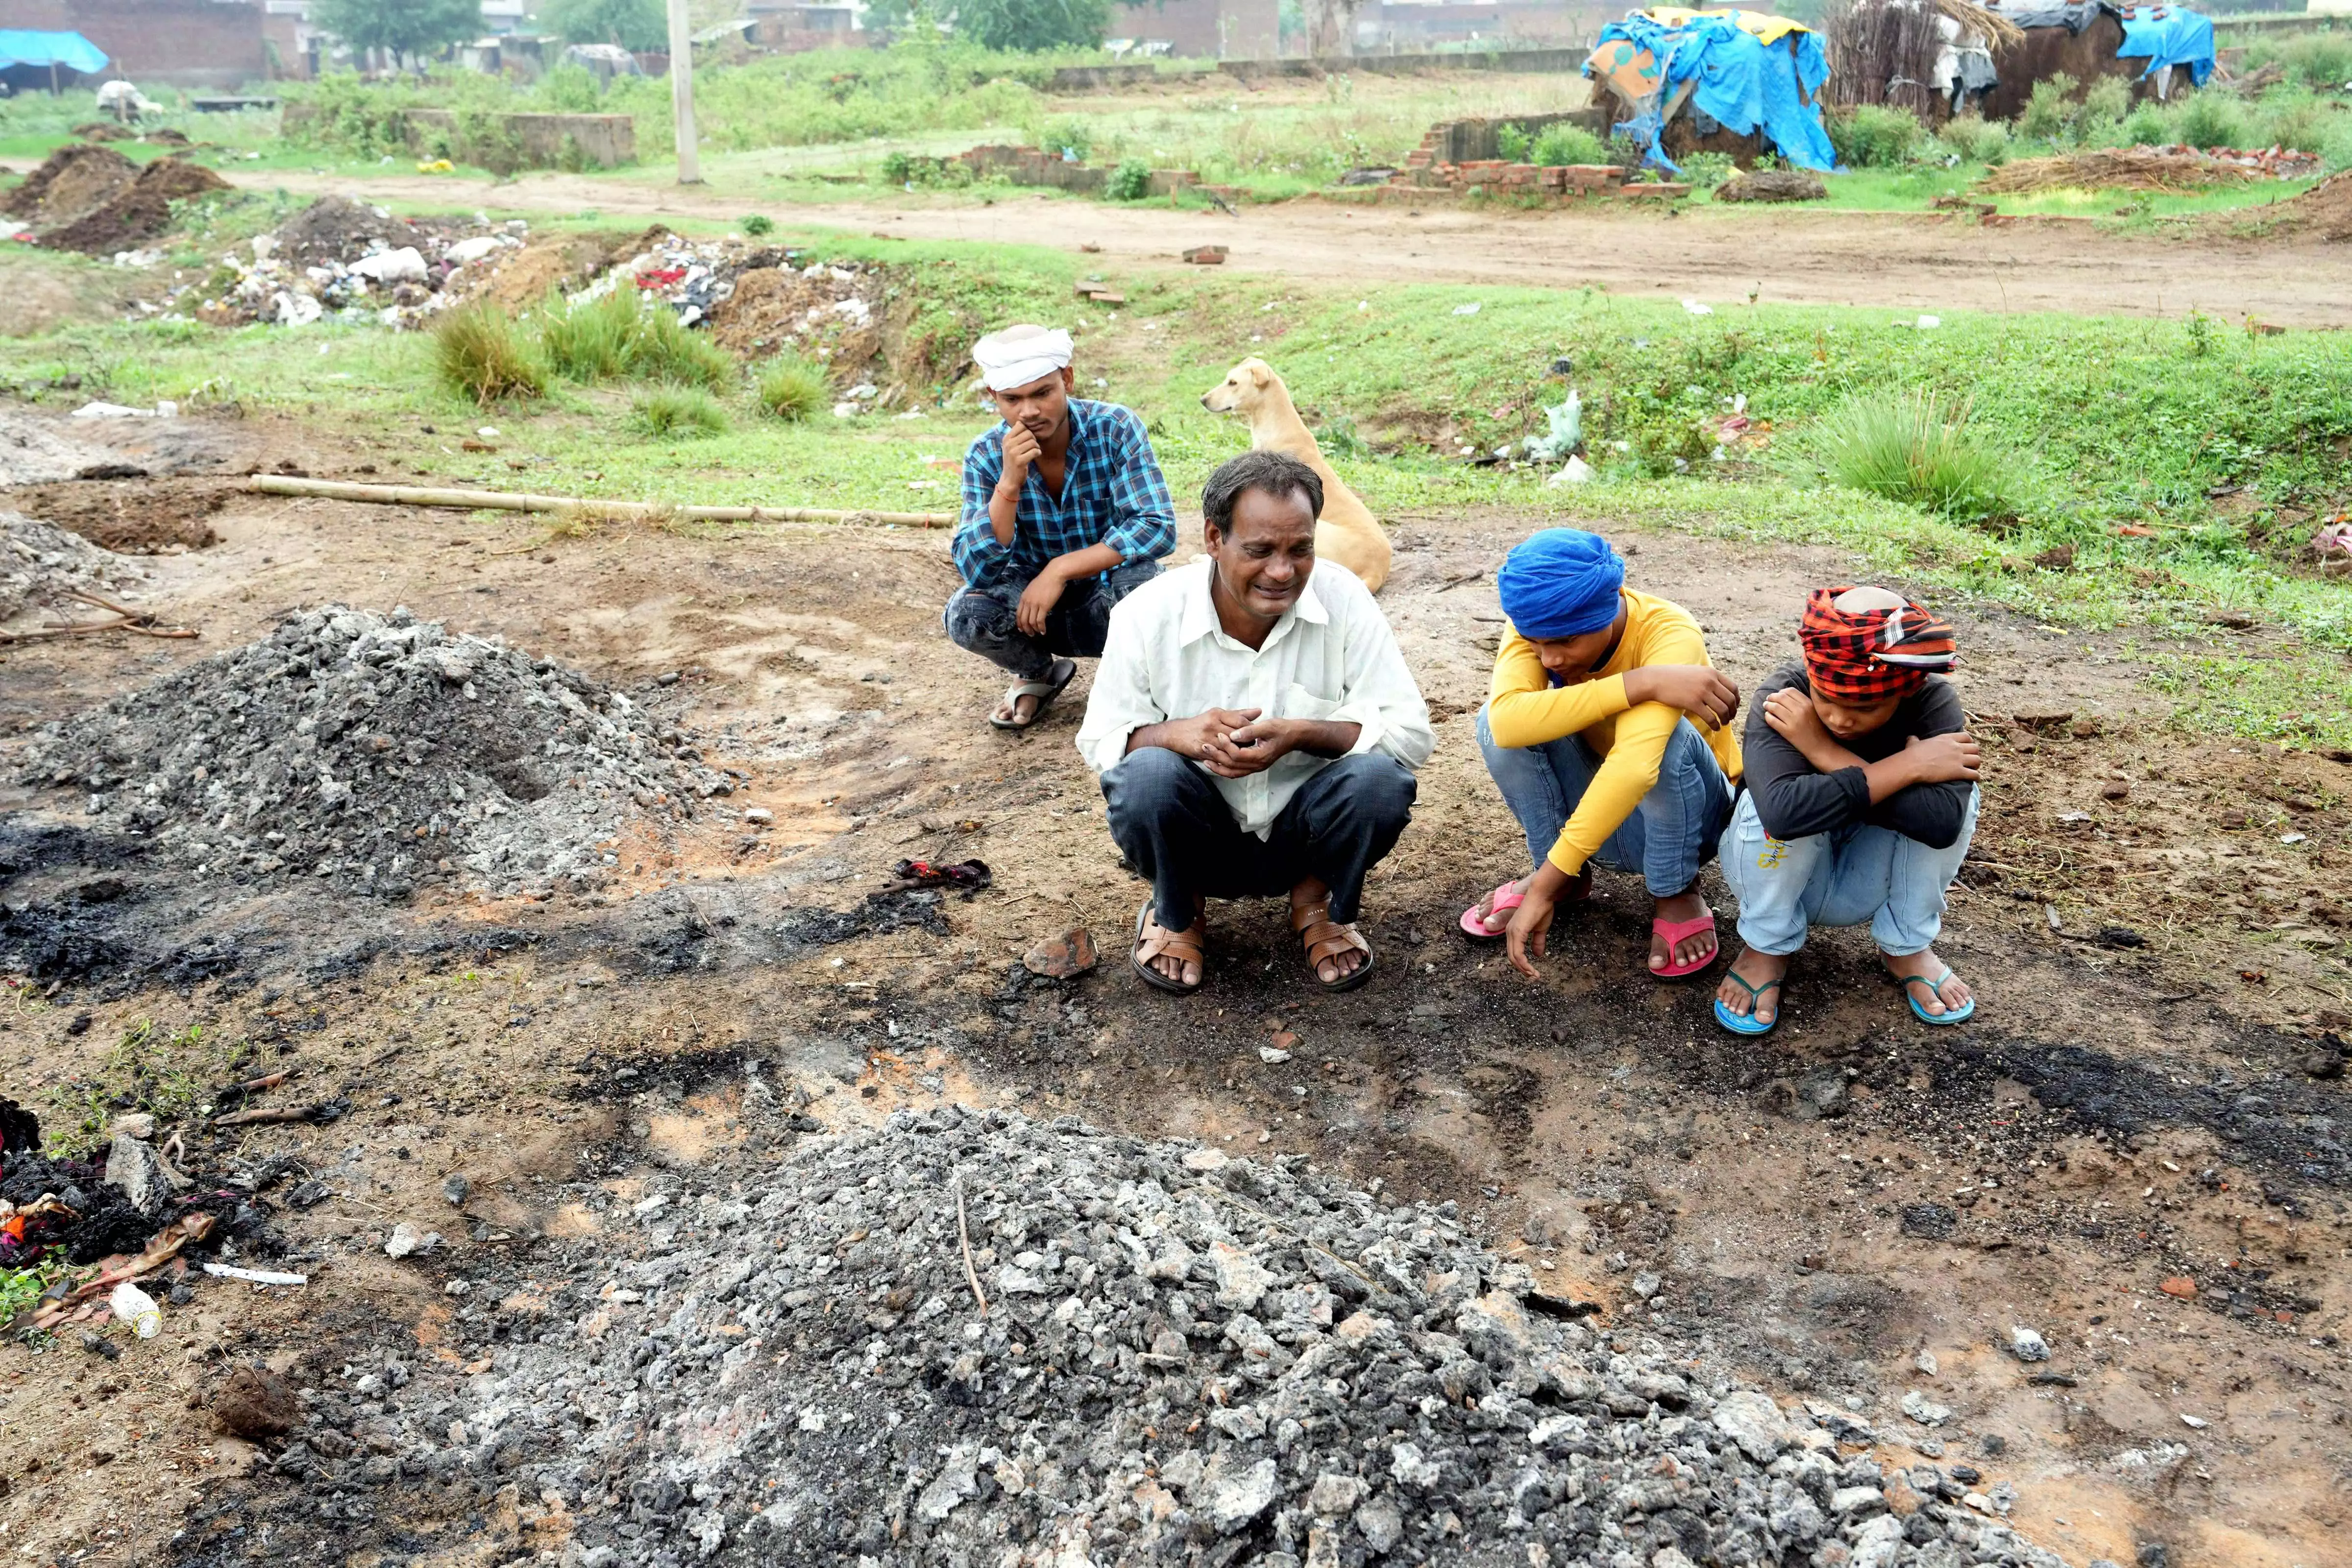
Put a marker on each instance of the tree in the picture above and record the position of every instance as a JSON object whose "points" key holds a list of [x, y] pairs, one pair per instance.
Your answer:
{"points": [[1031, 25], [407, 29], [636, 24]]}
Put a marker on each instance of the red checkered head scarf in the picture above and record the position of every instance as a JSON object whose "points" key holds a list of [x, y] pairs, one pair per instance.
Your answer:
{"points": [[1882, 646]]}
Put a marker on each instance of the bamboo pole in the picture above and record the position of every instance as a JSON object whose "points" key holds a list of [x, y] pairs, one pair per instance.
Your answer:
{"points": [[502, 501]]}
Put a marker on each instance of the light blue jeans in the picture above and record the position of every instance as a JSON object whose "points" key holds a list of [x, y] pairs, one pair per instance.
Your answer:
{"points": [[1667, 837], [1855, 875]]}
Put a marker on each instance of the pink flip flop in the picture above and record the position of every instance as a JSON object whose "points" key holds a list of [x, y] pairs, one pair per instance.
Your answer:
{"points": [[1674, 931], [1506, 898]]}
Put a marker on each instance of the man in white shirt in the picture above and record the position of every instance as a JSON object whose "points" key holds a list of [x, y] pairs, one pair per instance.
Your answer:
{"points": [[1255, 729]]}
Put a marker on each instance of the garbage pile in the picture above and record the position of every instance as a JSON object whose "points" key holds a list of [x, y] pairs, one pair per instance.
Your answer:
{"points": [[2155, 169], [89, 198], [343, 257], [43, 566], [968, 1337], [377, 753]]}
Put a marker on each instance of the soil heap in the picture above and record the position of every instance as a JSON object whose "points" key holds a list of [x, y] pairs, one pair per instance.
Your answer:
{"points": [[40, 562], [1185, 1359], [378, 752], [94, 200]]}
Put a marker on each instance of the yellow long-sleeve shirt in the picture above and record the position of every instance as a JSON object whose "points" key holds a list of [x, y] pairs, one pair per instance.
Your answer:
{"points": [[1524, 708]]}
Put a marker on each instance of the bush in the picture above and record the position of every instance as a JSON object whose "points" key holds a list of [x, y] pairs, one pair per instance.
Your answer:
{"points": [[1706, 171], [2048, 110], [2147, 126], [1917, 447], [667, 412], [791, 388], [1975, 139], [2319, 61], [1564, 144], [1872, 136], [1130, 181], [1067, 139], [2289, 116], [2105, 103], [1514, 144], [2210, 119], [759, 225], [662, 351], [477, 354]]}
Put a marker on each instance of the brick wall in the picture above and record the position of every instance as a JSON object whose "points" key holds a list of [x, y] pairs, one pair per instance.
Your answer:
{"points": [[158, 43], [1205, 29]]}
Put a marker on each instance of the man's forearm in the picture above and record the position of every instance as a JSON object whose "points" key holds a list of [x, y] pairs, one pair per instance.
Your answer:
{"points": [[1889, 776], [1164, 735], [1004, 508], [1091, 562], [1325, 738]]}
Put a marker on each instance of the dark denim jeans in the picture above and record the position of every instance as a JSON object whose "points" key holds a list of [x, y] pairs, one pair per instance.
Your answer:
{"points": [[983, 619], [1175, 829]]}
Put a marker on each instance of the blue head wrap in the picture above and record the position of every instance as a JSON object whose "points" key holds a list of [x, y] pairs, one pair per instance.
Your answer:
{"points": [[1561, 582]]}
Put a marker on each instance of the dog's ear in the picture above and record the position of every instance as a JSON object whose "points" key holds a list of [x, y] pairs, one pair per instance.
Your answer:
{"points": [[1260, 373]]}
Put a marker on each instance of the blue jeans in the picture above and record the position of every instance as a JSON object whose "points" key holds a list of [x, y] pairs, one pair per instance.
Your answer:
{"points": [[984, 621], [1845, 878], [1672, 830]]}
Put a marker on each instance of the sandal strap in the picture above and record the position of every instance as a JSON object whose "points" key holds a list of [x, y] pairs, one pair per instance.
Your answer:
{"points": [[1329, 939], [1935, 987], [1185, 947], [1754, 992]]}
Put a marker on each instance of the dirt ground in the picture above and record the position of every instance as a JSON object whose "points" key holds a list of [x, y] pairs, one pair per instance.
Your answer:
{"points": [[1902, 260], [2131, 1106]]}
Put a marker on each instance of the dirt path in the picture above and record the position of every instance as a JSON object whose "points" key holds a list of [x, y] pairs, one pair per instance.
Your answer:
{"points": [[1905, 261]]}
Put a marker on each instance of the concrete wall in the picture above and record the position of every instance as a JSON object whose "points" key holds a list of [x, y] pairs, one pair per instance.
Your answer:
{"points": [[603, 140], [158, 43]]}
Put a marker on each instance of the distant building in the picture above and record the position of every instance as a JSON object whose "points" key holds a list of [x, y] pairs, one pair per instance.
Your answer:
{"points": [[160, 43], [1413, 27], [1204, 29]]}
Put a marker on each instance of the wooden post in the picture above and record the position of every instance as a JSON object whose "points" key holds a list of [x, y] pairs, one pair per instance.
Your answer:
{"points": [[681, 93]]}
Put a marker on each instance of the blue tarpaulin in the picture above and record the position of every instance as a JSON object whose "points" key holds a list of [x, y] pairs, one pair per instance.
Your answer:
{"points": [[72, 50], [2167, 35], [1732, 75]]}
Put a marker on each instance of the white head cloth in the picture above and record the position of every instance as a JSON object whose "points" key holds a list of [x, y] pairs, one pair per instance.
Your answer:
{"points": [[1020, 355]]}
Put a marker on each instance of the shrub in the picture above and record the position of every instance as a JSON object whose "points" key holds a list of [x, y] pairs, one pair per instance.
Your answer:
{"points": [[1975, 139], [2320, 61], [667, 412], [1067, 137], [2105, 103], [789, 387], [2210, 119], [1564, 144], [1514, 144], [1130, 181], [2048, 110], [2147, 126], [2288, 117], [1706, 171], [1918, 447], [479, 355], [1872, 136], [662, 351], [588, 341], [759, 225]]}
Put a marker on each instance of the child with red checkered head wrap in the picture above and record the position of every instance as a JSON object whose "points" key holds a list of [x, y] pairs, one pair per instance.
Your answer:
{"points": [[1858, 804]]}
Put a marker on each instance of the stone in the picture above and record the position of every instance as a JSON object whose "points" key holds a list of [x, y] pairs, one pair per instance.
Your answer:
{"points": [[256, 1405], [2180, 1286], [1929, 1221], [1821, 1094], [1381, 1523], [1646, 1284], [1773, 185], [1333, 1496], [1202, 1161], [136, 1124], [1241, 1281], [406, 1239], [1848, 1501], [454, 1190], [1877, 1544], [1407, 1465], [958, 1479], [2028, 1345], [1924, 1410], [1927, 1363], [1062, 957], [1272, 1056], [136, 1168], [1752, 1421], [1232, 1491]]}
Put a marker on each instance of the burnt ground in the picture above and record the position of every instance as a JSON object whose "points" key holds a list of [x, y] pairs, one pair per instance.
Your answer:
{"points": [[2131, 1106]]}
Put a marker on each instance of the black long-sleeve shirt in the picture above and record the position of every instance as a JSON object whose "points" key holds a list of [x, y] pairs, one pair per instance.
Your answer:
{"points": [[1796, 800]]}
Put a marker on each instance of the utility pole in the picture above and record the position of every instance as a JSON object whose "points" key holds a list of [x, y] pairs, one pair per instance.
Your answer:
{"points": [[681, 93]]}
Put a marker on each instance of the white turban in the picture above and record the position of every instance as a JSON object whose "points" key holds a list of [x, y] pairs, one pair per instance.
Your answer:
{"points": [[1020, 355]]}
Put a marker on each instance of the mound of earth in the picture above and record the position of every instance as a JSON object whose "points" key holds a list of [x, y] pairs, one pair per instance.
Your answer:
{"points": [[40, 562], [378, 752], [131, 517], [70, 182], [556, 262], [2326, 209], [1183, 1359], [826, 312], [1773, 185], [336, 229], [133, 214]]}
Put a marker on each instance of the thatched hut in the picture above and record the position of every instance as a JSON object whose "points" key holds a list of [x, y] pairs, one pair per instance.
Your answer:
{"points": [[1939, 58]]}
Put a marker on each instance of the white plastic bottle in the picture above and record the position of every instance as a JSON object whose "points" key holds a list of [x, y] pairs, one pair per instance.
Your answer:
{"points": [[137, 1308]]}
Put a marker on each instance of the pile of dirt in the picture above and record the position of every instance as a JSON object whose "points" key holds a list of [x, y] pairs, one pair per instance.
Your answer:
{"points": [[831, 314], [336, 229], [41, 564], [70, 182], [553, 264], [2152, 169], [1181, 1359], [131, 517], [134, 213], [379, 753], [1773, 185], [2326, 209]]}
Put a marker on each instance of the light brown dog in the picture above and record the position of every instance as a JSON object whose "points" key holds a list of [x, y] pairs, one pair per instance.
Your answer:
{"points": [[1347, 532]]}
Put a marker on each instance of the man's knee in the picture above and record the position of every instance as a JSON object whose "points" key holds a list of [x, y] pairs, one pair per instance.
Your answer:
{"points": [[974, 619], [1145, 783], [1376, 789]]}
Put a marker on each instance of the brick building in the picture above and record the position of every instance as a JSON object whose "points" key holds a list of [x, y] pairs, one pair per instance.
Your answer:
{"points": [[1201, 29], [160, 43]]}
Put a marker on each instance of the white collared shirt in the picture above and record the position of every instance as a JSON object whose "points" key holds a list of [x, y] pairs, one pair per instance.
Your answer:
{"points": [[1331, 656]]}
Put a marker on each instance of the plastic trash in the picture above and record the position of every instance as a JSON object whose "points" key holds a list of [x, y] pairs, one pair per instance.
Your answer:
{"points": [[1567, 432], [1469, 309], [1578, 471], [255, 1276], [402, 265], [1695, 309], [471, 250], [1929, 323], [111, 411], [137, 1308]]}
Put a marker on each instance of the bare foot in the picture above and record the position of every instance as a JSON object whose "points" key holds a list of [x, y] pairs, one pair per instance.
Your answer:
{"points": [[1950, 996], [1762, 970], [1580, 887], [1684, 906]]}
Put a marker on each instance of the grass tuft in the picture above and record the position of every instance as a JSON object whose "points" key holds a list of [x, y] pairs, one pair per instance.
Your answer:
{"points": [[1917, 448], [662, 351], [791, 388], [670, 413], [477, 354], [589, 342]]}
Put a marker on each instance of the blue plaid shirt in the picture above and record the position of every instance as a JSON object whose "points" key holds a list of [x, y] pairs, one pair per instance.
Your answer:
{"points": [[1112, 494]]}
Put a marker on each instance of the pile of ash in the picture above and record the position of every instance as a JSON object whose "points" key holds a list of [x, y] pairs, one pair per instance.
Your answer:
{"points": [[1183, 1359], [41, 564], [380, 752]]}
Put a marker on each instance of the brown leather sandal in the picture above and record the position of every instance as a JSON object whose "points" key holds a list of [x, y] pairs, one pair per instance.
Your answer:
{"points": [[1322, 937], [1153, 940]]}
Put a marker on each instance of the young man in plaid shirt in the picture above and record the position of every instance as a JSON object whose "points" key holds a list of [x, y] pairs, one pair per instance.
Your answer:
{"points": [[1065, 514]]}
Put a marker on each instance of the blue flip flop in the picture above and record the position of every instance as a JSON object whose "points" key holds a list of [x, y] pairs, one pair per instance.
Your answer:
{"points": [[1935, 987], [1745, 1023]]}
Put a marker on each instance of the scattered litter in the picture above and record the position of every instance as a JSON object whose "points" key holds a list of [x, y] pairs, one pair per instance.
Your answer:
{"points": [[137, 1308], [1695, 309], [102, 409], [1273, 1056], [1578, 471], [1566, 434], [1206, 256], [2194, 1423], [1928, 323], [971, 875], [1470, 310]]}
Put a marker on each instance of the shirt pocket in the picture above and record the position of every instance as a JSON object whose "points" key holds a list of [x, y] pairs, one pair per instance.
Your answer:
{"points": [[1299, 702]]}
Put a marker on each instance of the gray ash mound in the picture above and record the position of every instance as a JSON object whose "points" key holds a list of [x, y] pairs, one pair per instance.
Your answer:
{"points": [[41, 564], [380, 753], [1185, 1359]]}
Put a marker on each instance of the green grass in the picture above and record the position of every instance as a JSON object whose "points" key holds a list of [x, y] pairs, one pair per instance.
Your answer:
{"points": [[588, 341], [169, 1076], [790, 388], [669, 413], [2117, 421], [1918, 448], [478, 353]]}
